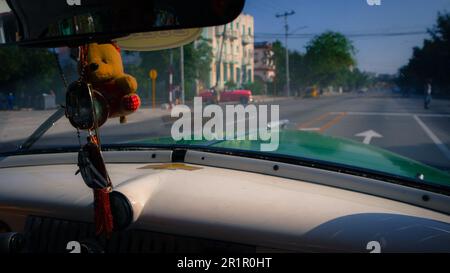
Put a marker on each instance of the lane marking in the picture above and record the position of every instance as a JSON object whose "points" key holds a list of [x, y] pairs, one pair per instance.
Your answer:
{"points": [[433, 115], [311, 122], [332, 122], [441, 146], [309, 129], [393, 114], [368, 136]]}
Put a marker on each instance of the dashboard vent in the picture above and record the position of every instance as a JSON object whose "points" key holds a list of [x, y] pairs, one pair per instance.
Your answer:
{"points": [[48, 235]]}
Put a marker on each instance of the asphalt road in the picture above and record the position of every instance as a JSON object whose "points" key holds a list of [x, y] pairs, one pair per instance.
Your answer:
{"points": [[394, 123], [382, 119]]}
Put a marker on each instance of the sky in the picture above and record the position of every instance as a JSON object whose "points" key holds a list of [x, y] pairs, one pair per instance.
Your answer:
{"points": [[374, 54]]}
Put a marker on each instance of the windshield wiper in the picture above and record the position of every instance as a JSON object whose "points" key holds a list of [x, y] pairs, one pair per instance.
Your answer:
{"points": [[43, 128], [50, 122]]}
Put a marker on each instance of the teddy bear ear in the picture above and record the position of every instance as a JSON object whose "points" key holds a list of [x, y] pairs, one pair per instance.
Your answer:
{"points": [[116, 46]]}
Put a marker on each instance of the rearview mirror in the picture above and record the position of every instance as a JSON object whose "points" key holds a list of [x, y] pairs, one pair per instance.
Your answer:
{"points": [[50, 23]]}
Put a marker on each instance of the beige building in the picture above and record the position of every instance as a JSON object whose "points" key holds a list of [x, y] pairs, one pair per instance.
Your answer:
{"points": [[264, 62], [235, 64]]}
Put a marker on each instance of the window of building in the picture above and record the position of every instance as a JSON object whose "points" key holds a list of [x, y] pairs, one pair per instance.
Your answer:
{"points": [[225, 72], [238, 75], [218, 71], [232, 73]]}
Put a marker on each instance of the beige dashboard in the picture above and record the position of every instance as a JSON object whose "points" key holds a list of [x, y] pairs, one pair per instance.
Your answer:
{"points": [[214, 203]]}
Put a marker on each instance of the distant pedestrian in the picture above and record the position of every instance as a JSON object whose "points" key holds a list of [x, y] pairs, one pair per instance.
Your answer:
{"points": [[10, 100], [177, 95], [215, 95], [428, 93]]}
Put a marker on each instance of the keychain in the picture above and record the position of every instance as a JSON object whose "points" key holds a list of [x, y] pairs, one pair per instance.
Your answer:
{"points": [[86, 109]]}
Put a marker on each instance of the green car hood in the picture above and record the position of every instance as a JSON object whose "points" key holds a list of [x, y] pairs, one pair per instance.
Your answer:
{"points": [[310, 145]]}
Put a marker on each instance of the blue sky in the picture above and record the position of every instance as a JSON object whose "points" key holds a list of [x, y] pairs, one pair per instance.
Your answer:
{"points": [[374, 54]]}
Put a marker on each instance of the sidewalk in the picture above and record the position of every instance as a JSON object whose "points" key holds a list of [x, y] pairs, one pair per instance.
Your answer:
{"points": [[267, 99], [21, 124]]}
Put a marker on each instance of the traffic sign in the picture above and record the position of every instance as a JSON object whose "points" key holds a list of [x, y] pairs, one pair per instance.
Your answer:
{"points": [[153, 74]]}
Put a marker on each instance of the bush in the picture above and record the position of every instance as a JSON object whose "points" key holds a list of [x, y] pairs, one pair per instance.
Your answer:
{"points": [[230, 85], [256, 87]]}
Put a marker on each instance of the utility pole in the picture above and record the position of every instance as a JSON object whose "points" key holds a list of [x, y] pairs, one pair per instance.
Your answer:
{"points": [[182, 73], [171, 79], [286, 28], [224, 36]]}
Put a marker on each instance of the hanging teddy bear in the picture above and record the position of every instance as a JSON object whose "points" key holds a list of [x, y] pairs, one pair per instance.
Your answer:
{"points": [[103, 69]]}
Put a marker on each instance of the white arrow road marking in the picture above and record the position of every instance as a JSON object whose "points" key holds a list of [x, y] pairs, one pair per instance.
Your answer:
{"points": [[368, 135]]}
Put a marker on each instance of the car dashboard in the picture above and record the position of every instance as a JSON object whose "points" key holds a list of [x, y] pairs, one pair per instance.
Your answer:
{"points": [[217, 203]]}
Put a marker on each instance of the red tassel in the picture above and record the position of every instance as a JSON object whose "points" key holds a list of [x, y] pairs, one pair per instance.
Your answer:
{"points": [[103, 215]]}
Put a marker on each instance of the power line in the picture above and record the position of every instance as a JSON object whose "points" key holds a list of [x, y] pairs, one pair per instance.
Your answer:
{"points": [[354, 35]]}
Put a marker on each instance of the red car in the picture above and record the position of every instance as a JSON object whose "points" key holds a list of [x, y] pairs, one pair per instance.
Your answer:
{"points": [[241, 96]]}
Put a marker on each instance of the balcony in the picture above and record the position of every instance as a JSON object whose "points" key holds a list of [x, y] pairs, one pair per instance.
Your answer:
{"points": [[228, 58], [219, 31], [247, 39], [232, 34], [247, 60]]}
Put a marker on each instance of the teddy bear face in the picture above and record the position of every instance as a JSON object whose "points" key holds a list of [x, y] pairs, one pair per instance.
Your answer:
{"points": [[104, 63]]}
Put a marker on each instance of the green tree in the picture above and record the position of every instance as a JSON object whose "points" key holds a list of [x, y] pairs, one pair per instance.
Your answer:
{"points": [[197, 62], [354, 80], [431, 62], [298, 71], [257, 87], [27, 70], [280, 64], [197, 66], [327, 57], [230, 85]]}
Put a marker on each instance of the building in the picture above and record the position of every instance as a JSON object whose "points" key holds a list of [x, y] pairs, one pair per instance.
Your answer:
{"points": [[233, 52], [264, 62]]}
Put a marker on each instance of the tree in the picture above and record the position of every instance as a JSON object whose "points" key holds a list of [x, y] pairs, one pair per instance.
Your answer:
{"points": [[27, 70], [431, 62], [298, 71], [280, 64], [327, 57], [327, 61], [354, 80], [198, 58], [257, 87], [197, 62], [296, 65]]}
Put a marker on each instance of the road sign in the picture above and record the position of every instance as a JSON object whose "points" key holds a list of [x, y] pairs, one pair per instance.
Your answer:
{"points": [[153, 74]]}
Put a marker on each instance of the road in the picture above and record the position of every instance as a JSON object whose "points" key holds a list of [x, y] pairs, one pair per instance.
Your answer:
{"points": [[400, 125], [397, 124]]}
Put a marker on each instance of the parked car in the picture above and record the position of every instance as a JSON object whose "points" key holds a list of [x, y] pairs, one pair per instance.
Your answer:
{"points": [[241, 96]]}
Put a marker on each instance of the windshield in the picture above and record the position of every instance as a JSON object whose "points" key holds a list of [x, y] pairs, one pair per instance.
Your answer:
{"points": [[361, 85]]}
